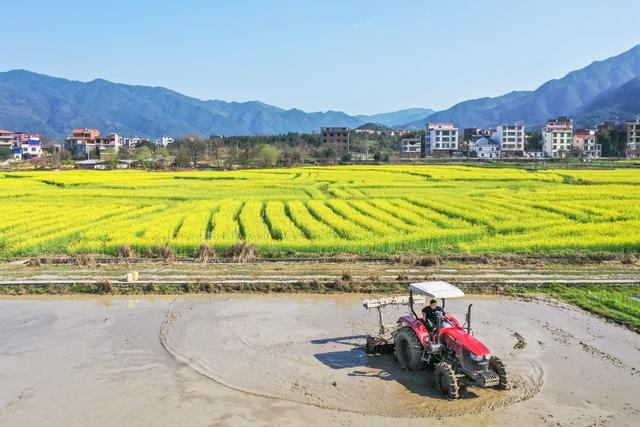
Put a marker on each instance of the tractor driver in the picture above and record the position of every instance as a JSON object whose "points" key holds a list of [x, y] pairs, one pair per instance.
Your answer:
{"points": [[430, 314]]}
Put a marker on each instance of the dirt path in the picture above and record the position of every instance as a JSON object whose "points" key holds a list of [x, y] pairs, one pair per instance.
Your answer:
{"points": [[274, 359], [322, 272]]}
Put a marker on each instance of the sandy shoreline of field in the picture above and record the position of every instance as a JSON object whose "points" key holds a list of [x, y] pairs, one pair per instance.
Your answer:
{"points": [[99, 361]]}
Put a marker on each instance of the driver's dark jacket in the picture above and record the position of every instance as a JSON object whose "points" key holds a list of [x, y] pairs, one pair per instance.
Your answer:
{"points": [[430, 314]]}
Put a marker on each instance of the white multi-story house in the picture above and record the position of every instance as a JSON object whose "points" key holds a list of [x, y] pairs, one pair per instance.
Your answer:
{"points": [[107, 142], [164, 141], [27, 148], [511, 138], [133, 142], [485, 148], [586, 143], [441, 139], [557, 137], [633, 139], [411, 147]]}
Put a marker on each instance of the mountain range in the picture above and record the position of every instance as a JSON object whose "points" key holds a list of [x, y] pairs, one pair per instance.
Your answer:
{"points": [[590, 94], [53, 106]]}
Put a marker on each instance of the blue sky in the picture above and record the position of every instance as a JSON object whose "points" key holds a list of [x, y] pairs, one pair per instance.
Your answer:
{"points": [[358, 56]]}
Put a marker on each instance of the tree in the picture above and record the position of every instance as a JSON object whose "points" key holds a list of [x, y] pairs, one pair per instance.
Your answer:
{"points": [[614, 143], [183, 157], [244, 158], [66, 155], [125, 154], [213, 149], [110, 156], [267, 155], [535, 141], [196, 147], [233, 157], [5, 153], [294, 157], [328, 154], [145, 156]]}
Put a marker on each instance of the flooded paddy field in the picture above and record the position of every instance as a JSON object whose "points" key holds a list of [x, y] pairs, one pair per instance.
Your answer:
{"points": [[296, 359]]}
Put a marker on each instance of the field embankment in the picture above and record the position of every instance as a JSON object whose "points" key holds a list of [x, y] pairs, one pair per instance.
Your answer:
{"points": [[608, 288]]}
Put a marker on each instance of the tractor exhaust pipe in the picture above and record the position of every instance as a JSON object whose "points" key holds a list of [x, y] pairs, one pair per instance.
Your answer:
{"points": [[469, 319], [411, 304]]}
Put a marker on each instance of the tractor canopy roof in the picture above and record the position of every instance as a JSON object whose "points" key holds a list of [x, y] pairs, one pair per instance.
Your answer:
{"points": [[436, 289]]}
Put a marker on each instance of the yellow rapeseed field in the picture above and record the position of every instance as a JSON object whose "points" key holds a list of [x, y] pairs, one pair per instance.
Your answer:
{"points": [[323, 210]]}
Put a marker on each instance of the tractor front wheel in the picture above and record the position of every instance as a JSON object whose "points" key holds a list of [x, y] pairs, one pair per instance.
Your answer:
{"points": [[497, 366], [446, 380], [409, 349]]}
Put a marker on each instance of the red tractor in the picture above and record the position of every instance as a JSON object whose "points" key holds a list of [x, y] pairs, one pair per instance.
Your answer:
{"points": [[460, 359]]}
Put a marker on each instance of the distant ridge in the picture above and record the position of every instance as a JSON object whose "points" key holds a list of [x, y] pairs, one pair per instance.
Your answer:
{"points": [[566, 96], [621, 103], [53, 106]]}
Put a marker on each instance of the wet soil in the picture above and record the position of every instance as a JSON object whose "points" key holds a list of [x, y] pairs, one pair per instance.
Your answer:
{"points": [[295, 360], [311, 350]]}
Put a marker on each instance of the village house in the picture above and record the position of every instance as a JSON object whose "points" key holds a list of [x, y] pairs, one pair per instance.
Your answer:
{"points": [[108, 142], [82, 142], [79, 139], [486, 148], [6, 138], [22, 145], [164, 141], [376, 132], [633, 139], [411, 148], [335, 135], [471, 136], [511, 139], [474, 134], [441, 139], [557, 137], [586, 144]]}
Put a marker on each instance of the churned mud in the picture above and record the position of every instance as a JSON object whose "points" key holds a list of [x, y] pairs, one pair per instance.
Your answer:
{"points": [[310, 350], [296, 360]]}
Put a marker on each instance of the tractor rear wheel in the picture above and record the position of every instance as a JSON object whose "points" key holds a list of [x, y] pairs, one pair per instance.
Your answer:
{"points": [[446, 380], [497, 366], [408, 349]]}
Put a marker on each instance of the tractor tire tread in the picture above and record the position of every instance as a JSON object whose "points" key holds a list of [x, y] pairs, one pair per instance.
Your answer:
{"points": [[498, 366], [412, 361], [446, 372]]}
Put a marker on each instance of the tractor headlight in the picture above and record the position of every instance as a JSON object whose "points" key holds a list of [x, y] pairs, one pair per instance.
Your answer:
{"points": [[477, 358]]}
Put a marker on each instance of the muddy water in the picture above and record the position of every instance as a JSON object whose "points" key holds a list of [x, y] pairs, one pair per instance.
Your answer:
{"points": [[310, 350], [273, 360]]}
